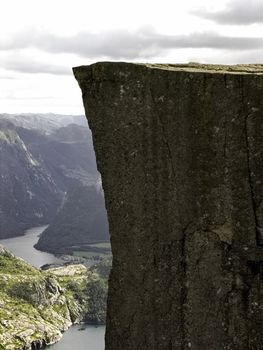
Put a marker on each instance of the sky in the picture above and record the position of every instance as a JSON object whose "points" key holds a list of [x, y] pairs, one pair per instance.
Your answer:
{"points": [[41, 40]]}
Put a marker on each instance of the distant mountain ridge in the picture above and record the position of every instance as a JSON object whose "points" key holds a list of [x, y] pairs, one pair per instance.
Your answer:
{"points": [[28, 194], [39, 165], [46, 123]]}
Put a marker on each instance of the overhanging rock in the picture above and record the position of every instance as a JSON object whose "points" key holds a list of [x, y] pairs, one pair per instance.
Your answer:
{"points": [[180, 150]]}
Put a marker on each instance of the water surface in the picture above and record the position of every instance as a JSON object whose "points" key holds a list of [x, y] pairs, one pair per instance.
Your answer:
{"points": [[78, 337], [81, 337], [23, 246]]}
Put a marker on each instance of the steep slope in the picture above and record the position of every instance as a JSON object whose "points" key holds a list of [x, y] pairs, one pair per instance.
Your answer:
{"points": [[73, 133], [28, 194], [35, 306], [81, 220], [37, 169], [67, 153]]}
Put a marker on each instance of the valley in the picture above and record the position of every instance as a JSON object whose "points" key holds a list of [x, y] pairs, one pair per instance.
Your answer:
{"points": [[49, 177], [52, 215], [23, 247]]}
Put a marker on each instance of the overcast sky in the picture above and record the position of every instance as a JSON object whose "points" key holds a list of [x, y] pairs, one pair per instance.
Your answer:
{"points": [[40, 40]]}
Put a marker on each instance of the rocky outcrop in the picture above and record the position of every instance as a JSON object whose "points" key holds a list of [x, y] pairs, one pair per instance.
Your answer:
{"points": [[37, 306], [180, 151]]}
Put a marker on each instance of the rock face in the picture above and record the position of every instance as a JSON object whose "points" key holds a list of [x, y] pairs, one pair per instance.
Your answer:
{"points": [[180, 151], [35, 305]]}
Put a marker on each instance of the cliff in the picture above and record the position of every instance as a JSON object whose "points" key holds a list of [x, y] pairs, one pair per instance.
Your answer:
{"points": [[180, 151], [36, 306]]}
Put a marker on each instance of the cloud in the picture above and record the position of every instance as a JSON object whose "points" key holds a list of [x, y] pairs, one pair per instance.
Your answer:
{"points": [[38, 51], [237, 12], [122, 44], [7, 77], [228, 57], [23, 64], [30, 98]]}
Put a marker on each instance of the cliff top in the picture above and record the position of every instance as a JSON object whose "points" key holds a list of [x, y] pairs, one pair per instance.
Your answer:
{"points": [[213, 68], [192, 67]]}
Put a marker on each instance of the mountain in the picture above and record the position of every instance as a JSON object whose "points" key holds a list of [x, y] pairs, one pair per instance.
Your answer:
{"points": [[67, 153], [46, 123], [38, 305], [81, 220], [28, 194], [38, 166], [72, 133]]}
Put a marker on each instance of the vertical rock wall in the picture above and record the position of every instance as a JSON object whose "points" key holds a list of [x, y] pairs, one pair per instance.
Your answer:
{"points": [[180, 150]]}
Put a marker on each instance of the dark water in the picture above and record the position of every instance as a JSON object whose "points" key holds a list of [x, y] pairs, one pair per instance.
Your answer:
{"points": [[91, 338], [23, 247]]}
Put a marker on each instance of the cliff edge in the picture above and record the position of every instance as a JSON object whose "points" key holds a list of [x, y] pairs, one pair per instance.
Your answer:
{"points": [[180, 151]]}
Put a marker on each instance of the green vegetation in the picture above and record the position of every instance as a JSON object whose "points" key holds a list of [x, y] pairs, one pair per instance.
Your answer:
{"points": [[102, 268], [97, 292], [89, 255], [35, 305], [105, 245], [95, 251]]}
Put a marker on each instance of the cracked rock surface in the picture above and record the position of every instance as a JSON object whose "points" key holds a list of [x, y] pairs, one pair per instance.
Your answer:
{"points": [[180, 150]]}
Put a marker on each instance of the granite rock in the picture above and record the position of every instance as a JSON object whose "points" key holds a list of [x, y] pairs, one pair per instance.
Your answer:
{"points": [[180, 151]]}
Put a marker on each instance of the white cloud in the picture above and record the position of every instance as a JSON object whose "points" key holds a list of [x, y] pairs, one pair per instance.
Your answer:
{"points": [[237, 12], [120, 44], [49, 37], [24, 64]]}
